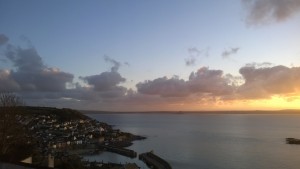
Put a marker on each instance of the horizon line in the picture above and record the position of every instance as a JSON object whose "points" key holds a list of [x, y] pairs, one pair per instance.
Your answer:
{"points": [[281, 111]]}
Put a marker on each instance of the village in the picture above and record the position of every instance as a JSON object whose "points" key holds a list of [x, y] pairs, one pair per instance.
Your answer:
{"points": [[60, 138], [55, 135]]}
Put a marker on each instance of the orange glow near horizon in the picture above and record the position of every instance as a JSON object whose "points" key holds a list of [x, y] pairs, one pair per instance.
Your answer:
{"points": [[275, 103], [278, 103]]}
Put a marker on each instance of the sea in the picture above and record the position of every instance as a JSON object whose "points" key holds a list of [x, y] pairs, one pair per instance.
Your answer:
{"points": [[209, 141]]}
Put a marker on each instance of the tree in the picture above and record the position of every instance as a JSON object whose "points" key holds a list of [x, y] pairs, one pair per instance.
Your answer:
{"points": [[12, 133]]}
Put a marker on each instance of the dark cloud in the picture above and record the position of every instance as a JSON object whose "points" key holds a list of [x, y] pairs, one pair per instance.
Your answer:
{"points": [[30, 72], [3, 39], [7, 83], [265, 82], [25, 60], [35, 81], [227, 53], [204, 81], [106, 84], [116, 64], [104, 81], [89, 94], [194, 54], [115, 92], [264, 11], [165, 87]]}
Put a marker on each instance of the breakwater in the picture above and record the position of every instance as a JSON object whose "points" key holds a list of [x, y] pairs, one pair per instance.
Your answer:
{"points": [[154, 161], [292, 141], [119, 150]]}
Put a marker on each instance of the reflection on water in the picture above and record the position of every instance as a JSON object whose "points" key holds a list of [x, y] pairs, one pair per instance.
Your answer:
{"points": [[211, 141]]}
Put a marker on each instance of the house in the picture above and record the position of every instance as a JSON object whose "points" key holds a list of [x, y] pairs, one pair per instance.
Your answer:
{"points": [[27, 160], [101, 139]]}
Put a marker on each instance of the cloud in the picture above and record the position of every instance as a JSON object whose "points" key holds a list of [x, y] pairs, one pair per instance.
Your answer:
{"points": [[107, 83], [190, 61], [259, 65], [210, 81], [265, 82], [42, 85], [31, 74], [116, 64], [265, 11], [205, 86], [227, 53], [25, 60], [7, 83], [195, 53], [37, 82], [104, 81], [3, 39], [204, 81], [165, 87]]}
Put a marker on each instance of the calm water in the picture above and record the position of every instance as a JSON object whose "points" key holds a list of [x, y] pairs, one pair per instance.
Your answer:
{"points": [[191, 141]]}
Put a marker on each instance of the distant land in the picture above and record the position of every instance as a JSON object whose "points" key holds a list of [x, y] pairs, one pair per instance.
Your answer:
{"points": [[285, 111]]}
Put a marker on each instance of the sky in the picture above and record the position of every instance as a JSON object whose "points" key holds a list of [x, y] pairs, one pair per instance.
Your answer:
{"points": [[138, 55]]}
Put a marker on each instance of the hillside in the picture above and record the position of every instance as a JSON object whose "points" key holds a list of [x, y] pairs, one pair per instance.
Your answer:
{"points": [[63, 114]]}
